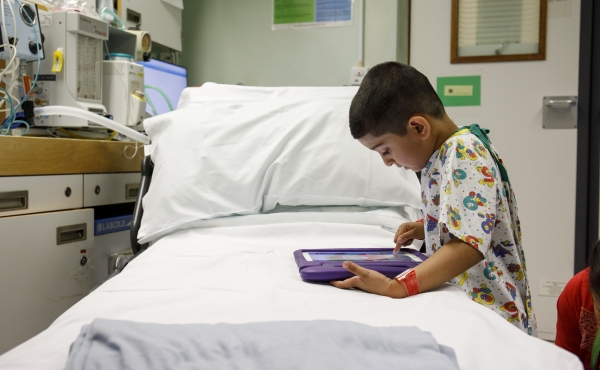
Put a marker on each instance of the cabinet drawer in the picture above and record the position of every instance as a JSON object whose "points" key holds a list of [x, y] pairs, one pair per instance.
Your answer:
{"points": [[46, 266], [33, 194], [110, 188]]}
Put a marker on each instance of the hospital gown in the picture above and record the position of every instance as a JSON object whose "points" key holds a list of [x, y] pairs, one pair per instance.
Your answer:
{"points": [[463, 196]]}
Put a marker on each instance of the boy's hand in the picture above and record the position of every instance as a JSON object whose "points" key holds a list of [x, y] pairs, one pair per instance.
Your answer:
{"points": [[370, 281], [407, 232]]}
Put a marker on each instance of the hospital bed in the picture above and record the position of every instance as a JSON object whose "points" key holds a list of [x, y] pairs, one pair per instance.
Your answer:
{"points": [[236, 180]]}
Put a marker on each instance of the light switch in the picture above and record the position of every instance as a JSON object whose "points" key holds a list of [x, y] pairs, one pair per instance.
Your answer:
{"points": [[458, 90]]}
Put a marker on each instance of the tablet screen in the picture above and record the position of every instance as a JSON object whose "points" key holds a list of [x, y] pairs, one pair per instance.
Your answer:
{"points": [[332, 256]]}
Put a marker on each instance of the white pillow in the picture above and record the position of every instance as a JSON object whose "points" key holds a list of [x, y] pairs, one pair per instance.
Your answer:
{"points": [[251, 148]]}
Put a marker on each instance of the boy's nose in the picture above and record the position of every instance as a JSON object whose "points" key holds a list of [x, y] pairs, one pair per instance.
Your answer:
{"points": [[387, 161]]}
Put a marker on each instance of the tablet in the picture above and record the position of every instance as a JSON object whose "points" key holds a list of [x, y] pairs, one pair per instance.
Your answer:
{"points": [[326, 264]]}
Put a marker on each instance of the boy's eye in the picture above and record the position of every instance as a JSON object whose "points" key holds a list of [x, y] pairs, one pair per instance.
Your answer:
{"points": [[386, 152]]}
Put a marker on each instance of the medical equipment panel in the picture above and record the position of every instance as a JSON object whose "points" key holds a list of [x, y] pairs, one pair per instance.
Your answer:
{"points": [[44, 270], [162, 20], [31, 194], [136, 43], [123, 91], [73, 77], [143, 45], [26, 22]]}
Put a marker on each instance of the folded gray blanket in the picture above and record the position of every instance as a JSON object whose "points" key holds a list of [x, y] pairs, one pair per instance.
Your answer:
{"points": [[112, 344]]}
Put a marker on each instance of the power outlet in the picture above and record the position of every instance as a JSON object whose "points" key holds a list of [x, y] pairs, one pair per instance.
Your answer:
{"points": [[357, 74], [551, 288]]}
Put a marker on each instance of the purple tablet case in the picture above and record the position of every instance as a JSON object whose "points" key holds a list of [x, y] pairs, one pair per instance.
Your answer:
{"points": [[333, 270]]}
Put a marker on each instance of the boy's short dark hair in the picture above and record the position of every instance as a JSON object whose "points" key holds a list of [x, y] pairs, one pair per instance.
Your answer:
{"points": [[389, 95]]}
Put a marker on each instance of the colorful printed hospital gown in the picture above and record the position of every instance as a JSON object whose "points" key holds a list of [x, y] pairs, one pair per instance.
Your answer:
{"points": [[463, 196]]}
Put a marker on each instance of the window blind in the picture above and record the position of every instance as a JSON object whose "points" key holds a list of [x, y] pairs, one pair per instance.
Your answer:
{"points": [[498, 27]]}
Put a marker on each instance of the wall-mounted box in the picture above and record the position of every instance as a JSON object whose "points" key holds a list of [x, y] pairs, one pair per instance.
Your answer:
{"points": [[559, 112]]}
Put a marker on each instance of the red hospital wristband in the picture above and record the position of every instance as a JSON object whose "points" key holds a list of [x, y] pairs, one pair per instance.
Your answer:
{"points": [[409, 279]]}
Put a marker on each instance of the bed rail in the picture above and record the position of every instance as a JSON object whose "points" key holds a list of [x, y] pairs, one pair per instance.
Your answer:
{"points": [[138, 211]]}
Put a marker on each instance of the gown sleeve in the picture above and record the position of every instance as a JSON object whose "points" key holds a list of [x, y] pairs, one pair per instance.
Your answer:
{"points": [[469, 198]]}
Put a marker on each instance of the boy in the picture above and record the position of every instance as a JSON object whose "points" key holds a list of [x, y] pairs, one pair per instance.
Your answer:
{"points": [[471, 228]]}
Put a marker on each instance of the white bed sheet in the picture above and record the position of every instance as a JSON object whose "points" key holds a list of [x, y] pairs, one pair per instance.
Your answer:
{"points": [[246, 273]]}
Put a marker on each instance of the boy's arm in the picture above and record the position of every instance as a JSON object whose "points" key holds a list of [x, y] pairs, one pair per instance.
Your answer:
{"points": [[451, 260]]}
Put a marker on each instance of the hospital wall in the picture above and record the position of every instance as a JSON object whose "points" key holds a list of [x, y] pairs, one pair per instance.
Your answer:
{"points": [[231, 41], [541, 163]]}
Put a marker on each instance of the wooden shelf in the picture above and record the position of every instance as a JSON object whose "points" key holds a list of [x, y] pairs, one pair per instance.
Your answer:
{"points": [[23, 156]]}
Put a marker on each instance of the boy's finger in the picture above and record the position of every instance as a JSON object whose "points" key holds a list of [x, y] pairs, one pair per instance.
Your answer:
{"points": [[345, 284], [406, 238], [356, 269], [407, 235], [401, 230], [405, 242], [402, 243], [397, 235]]}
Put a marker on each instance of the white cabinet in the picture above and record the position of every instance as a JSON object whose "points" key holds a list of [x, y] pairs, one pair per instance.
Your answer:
{"points": [[31, 194], [45, 268], [47, 245], [110, 188]]}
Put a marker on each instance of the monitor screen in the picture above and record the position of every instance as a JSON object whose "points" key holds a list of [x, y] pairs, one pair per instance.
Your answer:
{"points": [[169, 78]]}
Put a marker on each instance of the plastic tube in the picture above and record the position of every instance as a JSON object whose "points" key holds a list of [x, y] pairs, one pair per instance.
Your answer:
{"points": [[156, 88], [55, 110], [116, 18], [75, 136], [149, 101]]}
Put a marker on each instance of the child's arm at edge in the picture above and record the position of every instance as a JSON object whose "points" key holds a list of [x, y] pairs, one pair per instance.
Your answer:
{"points": [[451, 260]]}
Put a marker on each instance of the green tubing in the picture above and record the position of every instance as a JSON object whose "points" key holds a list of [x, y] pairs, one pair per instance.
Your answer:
{"points": [[150, 103], [151, 87]]}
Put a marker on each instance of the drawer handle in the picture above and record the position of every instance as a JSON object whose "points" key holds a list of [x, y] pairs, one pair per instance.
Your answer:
{"points": [[131, 191], [12, 200], [71, 233]]}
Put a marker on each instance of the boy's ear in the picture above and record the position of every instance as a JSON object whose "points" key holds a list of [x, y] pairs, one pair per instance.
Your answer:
{"points": [[419, 126]]}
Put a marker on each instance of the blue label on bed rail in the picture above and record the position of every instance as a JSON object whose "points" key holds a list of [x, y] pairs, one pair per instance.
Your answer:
{"points": [[112, 225]]}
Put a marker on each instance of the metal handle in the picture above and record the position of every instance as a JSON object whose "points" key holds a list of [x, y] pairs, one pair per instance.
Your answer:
{"points": [[71, 233], [560, 103], [132, 190], [501, 48], [118, 261], [13, 200]]}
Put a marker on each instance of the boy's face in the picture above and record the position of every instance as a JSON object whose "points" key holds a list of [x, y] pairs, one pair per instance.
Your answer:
{"points": [[411, 151]]}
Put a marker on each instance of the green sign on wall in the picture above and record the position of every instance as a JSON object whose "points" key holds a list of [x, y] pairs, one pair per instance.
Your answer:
{"points": [[459, 91], [293, 11], [298, 14]]}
